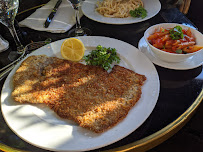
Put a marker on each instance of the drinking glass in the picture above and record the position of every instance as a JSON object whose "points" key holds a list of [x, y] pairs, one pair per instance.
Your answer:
{"points": [[8, 11], [78, 31]]}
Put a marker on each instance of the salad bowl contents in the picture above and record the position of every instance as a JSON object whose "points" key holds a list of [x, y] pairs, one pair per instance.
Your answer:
{"points": [[173, 42]]}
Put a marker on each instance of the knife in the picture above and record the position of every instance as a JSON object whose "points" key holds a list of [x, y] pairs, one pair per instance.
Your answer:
{"points": [[52, 14]]}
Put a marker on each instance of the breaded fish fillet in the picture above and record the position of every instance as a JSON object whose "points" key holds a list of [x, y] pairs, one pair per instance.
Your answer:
{"points": [[88, 95]]}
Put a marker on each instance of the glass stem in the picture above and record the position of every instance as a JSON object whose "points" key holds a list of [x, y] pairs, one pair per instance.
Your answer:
{"points": [[19, 46], [78, 30]]}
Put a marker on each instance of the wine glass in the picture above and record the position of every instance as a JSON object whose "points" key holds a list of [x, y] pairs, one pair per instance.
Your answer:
{"points": [[8, 11], [78, 31]]}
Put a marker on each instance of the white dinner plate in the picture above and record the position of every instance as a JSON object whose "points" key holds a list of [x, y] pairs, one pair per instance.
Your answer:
{"points": [[190, 63], [88, 9], [40, 126]]}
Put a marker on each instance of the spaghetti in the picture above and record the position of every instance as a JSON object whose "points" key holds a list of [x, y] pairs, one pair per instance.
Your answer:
{"points": [[117, 8]]}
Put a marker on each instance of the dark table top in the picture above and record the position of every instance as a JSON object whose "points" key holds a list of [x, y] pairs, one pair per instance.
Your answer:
{"points": [[178, 90]]}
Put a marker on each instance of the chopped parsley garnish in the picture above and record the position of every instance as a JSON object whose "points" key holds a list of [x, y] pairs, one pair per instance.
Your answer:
{"points": [[179, 51], [176, 33], [139, 12], [48, 40], [102, 57]]}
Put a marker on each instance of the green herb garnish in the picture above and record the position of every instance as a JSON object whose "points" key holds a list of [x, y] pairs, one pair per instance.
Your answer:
{"points": [[139, 12], [102, 57], [179, 51], [48, 40], [176, 33]]}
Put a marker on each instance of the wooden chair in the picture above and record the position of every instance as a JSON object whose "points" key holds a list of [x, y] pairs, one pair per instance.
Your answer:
{"points": [[184, 6]]}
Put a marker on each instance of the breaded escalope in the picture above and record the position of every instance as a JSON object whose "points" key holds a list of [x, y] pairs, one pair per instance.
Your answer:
{"points": [[27, 78], [90, 96], [102, 100]]}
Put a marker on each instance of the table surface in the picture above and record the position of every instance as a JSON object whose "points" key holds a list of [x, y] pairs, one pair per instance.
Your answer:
{"points": [[178, 91]]}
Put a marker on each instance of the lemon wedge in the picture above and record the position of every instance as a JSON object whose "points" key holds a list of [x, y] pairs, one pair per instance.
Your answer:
{"points": [[72, 49]]}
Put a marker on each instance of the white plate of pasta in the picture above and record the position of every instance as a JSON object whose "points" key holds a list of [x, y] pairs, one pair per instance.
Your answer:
{"points": [[117, 11]]}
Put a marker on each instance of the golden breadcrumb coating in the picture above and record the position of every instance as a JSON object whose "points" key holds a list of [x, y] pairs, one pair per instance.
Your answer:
{"points": [[90, 96]]}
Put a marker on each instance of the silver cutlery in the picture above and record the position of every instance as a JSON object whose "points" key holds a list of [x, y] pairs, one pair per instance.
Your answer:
{"points": [[52, 14]]}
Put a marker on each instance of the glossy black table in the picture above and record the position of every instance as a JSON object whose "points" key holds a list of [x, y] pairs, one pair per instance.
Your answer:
{"points": [[180, 91]]}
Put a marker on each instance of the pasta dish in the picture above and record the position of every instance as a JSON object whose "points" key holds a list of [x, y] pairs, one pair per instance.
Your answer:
{"points": [[118, 8], [174, 40]]}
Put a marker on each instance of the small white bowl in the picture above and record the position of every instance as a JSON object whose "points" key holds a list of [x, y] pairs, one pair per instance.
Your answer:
{"points": [[172, 57]]}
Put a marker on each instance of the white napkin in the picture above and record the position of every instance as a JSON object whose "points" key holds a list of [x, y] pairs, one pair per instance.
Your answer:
{"points": [[63, 20]]}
